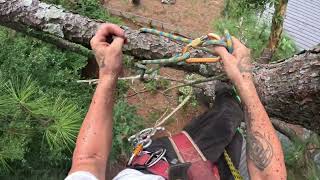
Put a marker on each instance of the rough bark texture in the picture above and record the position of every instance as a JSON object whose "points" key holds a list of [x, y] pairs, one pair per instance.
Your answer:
{"points": [[19, 14], [289, 89]]}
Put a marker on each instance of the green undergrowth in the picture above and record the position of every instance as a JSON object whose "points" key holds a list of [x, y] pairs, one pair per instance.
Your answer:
{"points": [[89, 8], [42, 107], [245, 23], [299, 158]]}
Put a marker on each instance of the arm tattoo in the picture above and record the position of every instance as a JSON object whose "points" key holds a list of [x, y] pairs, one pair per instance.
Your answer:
{"points": [[244, 65], [259, 150], [101, 63]]}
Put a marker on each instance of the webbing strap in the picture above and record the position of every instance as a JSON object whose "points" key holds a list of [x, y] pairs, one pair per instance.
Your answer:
{"points": [[188, 151], [161, 168]]}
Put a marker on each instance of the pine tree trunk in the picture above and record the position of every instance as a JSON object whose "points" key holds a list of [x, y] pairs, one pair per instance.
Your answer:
{"points": [[276, 30], [289, 89]]}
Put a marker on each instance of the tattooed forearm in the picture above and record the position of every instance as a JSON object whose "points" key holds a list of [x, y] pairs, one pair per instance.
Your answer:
{"points": [[259, 150]]}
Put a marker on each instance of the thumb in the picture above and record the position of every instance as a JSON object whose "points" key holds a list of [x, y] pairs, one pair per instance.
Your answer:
{"points": [[117, 43]]}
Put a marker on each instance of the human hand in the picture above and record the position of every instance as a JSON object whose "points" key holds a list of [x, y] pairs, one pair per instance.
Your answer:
{"points": [[236, 65], [108, 54]]}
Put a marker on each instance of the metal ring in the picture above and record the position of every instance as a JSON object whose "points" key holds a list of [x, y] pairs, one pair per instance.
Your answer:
{"points": [[146, 143], [157, 156]]}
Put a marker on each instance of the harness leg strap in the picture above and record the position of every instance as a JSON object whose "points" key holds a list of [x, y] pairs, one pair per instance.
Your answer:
{"points": [[188, 151]]}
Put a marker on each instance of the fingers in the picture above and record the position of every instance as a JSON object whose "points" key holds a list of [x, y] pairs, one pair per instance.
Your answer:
{"points": [[222, 52], [240, 49], [236, 43], [106, 30], [117, 43]]}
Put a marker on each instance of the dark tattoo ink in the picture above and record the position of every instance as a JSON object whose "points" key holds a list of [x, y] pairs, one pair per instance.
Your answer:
{"points": [[102, 64], [259, 150], [244, 65]]}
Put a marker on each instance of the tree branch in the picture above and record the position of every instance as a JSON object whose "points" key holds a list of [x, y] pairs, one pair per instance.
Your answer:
{"points": [[289, 89]]}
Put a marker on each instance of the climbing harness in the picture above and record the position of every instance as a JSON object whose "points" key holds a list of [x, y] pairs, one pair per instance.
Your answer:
{"points": [[142, 140], [182, 144], [189, 156], [144, 137], [201, 43], [155, 162], [156, 157]]}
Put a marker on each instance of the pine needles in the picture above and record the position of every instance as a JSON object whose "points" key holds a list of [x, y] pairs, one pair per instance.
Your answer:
{"points": [[62, 124], [42, 107], [23, 106]]}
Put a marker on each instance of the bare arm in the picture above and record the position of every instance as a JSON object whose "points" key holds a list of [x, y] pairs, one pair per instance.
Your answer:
{"points": [[265, 157], [94, 140]]}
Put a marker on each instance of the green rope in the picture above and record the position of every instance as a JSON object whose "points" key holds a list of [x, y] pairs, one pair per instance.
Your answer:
{"points": [[180, 58]]}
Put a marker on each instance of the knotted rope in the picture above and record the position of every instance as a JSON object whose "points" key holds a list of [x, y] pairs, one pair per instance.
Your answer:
{"points": [[201, 43]]}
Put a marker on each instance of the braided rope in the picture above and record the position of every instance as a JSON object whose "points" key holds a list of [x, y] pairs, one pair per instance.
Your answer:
{"points": [[196, 43], [235, 173], [185, 57]]}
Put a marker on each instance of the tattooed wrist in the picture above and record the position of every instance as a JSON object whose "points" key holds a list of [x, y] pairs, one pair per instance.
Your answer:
{"points": [[244, 65], [101, 62]]}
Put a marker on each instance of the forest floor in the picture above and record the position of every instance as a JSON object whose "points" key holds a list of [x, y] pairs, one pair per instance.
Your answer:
{"points": [[191, 15], [152, 104], [195, 17], [192, 18]]}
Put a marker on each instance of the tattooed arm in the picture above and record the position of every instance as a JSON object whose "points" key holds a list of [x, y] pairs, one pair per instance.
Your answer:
{"points": [[265, 157], [94, 140]]}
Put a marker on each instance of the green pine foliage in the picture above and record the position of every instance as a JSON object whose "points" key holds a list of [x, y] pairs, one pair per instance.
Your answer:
{"points": [[89, 8], [42, 108], [29, 113]]}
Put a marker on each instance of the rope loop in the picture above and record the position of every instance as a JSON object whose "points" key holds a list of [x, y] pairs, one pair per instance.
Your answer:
{"points": [[201, 43]]}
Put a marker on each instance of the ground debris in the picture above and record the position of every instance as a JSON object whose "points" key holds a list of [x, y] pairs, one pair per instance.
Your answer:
{"points": [[168, 1]]}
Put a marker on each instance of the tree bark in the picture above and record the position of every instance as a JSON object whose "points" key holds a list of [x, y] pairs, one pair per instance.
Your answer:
{"points": [[289, 89]]}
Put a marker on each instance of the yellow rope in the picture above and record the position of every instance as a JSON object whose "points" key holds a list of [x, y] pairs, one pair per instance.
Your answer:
{"points": [[235, 173]]}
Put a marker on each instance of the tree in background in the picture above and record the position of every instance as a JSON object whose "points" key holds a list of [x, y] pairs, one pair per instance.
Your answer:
{"points": [[276, 30], [244, 19], [275, 45]]}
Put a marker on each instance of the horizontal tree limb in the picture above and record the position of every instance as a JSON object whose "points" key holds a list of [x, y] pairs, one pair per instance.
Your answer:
{"points": [[289, 89]]}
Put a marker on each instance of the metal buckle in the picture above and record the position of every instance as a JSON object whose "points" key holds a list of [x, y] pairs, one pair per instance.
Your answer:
{"points": [[144, 136], [156, 157]]}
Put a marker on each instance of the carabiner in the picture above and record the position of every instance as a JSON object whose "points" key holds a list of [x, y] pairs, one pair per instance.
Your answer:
{"points": [[156, 157]]}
